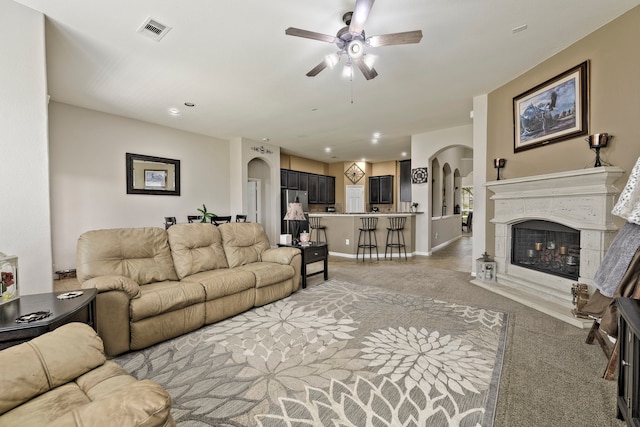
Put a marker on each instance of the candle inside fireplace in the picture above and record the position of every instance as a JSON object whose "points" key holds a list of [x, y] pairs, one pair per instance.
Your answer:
{"points": [[551, 245], [538, 246], [531, 253], [563, 250]]}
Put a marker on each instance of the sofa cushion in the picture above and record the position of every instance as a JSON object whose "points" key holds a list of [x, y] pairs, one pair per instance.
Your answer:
{"points": [[220, 283], [268, 273], [141, 254], [163, 297], [196, 247], [48, 361], [243, 242]]}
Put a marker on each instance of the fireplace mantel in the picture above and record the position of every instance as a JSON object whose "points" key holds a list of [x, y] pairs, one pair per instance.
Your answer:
{"points": [[580, 199]]}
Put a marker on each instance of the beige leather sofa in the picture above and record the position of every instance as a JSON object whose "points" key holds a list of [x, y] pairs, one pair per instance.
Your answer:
{"points": [[62, 378], [155, 284]]}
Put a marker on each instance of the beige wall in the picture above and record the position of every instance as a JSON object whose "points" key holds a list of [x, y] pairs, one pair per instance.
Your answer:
{"points": [[614, 107], [303, 165]]}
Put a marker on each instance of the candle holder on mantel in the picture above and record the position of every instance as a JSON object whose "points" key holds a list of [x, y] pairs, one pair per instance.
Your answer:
{"points": [[597, 141], [498, 164]]}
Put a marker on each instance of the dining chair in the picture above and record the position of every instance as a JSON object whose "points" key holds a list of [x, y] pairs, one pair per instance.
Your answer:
{"points": [[217, 220], [241, 218], [194, 218], [169, 221]]}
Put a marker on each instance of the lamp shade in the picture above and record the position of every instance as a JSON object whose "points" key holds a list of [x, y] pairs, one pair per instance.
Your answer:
{"points": [[294, 212]]}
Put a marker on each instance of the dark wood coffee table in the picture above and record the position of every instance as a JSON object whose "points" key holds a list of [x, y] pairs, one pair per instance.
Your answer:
{"points": [[78, 309], [313, 252]]}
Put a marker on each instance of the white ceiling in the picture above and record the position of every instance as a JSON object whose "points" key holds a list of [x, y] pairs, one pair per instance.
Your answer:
{"points": [[247, 78]]}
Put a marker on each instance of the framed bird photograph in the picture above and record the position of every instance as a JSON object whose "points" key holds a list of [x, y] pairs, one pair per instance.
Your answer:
{"points": [[553, 111]]}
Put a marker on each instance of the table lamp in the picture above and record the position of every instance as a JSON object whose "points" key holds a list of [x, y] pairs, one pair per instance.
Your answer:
{"points": [[295, 214]]}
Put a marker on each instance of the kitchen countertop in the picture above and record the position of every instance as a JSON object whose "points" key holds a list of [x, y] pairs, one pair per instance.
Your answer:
{"points": [[364, 213]]}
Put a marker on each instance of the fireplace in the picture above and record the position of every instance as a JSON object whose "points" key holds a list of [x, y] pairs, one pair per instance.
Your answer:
{"points": [[552, 231], [546, 246]]}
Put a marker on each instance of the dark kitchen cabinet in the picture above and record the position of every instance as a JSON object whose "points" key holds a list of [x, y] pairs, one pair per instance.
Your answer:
{"points": [[292, 180], [313, 188], [405, 181], [331, 190], [283, 178], [321, 189], [303, 181], [381, 189], [629, 361]]}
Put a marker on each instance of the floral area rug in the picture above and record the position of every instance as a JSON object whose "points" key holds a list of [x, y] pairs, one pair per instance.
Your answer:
{"points": [[336, 354]]}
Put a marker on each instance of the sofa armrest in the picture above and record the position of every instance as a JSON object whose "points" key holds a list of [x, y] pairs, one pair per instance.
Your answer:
{"points": [[143, 403], [114, 283], [280, 255], [112, 310]]}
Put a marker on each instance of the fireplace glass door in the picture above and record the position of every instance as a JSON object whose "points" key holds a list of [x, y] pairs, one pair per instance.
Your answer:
{"points": [[546, 246]]}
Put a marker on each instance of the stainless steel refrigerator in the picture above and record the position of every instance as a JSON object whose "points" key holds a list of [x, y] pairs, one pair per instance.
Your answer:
{"points": [[291, 196]]}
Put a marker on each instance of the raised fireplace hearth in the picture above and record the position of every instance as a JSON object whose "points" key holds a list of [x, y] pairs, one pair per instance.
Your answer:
{"points": [[561, 225]]}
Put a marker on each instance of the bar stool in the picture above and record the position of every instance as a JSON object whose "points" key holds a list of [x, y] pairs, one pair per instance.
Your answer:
{"points": [[368, 229], [314, 224], [396, 228]]}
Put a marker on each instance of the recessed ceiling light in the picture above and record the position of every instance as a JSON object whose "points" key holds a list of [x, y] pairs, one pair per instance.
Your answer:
{"points": [[374, 141], [189, 104], [403, 154], [174, 111], [376, 134], [265, 139], [363, 159], [327, 149]]}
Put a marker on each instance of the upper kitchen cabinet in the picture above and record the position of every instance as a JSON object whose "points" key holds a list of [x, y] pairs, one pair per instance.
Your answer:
{"points": [[321, 189], [381, 189], [405, 181]]}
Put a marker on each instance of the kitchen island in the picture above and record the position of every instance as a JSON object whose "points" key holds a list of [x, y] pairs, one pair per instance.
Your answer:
{"points": [[343, 230]]}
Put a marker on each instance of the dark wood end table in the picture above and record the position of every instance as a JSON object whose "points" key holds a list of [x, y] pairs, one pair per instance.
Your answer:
{"points": [[313, 252], [78, 309]]}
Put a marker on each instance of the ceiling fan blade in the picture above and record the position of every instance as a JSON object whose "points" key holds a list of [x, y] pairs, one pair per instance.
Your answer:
{"points": [[310, 35], [315, 70], [396, 38], [369, 73], [360, 15]]}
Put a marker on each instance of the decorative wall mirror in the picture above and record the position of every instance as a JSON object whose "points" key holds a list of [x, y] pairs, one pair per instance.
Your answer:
{"points": [[152, 175]]}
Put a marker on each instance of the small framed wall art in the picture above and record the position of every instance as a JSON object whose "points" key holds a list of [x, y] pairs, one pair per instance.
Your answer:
{"points": [[419, 175]]}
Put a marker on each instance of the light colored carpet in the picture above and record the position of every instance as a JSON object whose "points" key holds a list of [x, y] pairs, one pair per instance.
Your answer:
{"points": [[339, 354]]}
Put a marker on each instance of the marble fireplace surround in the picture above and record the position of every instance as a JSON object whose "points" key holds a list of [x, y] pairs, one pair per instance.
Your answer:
{"points": [[580, 199]]}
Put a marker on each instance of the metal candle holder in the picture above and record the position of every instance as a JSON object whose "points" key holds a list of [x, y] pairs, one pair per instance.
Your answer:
{"points": [[498, 164]]}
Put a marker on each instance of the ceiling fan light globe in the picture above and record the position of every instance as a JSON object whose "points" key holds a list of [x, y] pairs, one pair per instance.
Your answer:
{"points": [[331, 60], [355, 49], [347, 71]]}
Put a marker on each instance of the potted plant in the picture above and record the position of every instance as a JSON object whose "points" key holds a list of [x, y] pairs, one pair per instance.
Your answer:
{"points": [[206, 216], [414, 207]]}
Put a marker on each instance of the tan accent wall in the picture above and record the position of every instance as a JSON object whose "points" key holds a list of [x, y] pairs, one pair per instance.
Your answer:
{"points": [[303, 165], [614, 107]]}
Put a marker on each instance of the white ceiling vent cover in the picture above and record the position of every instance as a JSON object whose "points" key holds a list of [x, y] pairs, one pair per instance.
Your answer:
{"points": [[153, 29]]}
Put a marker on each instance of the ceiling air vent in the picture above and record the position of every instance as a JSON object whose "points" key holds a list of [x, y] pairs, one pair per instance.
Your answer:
{"points": [[153, 29]]}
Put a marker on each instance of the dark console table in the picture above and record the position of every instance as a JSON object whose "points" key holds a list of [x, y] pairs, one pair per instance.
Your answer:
{"points": [[629, 361], [313, 252], [78, 309]]}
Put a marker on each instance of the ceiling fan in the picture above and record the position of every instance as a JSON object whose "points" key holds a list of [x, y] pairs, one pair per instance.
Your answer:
{"points": [[351, 41]]}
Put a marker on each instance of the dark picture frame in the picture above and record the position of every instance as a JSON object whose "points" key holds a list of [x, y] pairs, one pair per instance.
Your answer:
{"points": [[164, 179], [553, 111]]}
